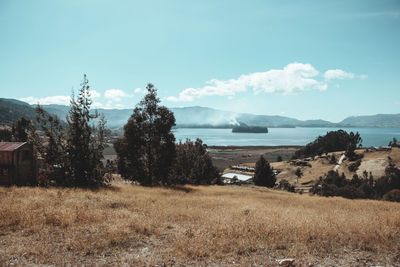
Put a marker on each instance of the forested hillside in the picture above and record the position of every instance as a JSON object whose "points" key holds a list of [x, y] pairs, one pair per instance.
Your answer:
{"points": [[12, 110]]}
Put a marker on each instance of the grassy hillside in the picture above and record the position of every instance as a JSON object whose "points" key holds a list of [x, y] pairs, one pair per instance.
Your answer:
{"points": [[196, 225], [373, 161]]}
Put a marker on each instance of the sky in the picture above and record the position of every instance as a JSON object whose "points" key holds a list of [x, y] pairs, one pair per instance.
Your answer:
{"points": [[302, 59]]}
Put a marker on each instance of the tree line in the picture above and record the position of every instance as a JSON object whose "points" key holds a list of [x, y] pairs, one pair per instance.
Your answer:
{"points": [[71, 153], [386, 187], [333, 141]]}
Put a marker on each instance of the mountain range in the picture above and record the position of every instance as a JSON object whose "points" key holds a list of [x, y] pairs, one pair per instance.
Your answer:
{"points": [[198, 117]]}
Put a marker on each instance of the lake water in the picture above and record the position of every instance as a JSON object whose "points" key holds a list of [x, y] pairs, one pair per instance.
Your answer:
{"points": [[282, 136]]}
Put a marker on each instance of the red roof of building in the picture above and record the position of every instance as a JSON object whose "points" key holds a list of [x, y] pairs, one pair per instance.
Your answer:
{"points": [[10, 146]]}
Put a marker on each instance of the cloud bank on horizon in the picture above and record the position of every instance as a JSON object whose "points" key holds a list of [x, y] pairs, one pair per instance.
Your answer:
{"points": [[293, 78], [111, 97]]}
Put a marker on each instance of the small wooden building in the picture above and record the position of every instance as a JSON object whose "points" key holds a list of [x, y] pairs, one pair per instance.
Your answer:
{"points": [[17, 165]]}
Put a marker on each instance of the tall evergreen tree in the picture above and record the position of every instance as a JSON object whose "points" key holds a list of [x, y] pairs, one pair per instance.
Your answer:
{"points": [[147, 149], [84, 148], [264, 175], [72, 151]]}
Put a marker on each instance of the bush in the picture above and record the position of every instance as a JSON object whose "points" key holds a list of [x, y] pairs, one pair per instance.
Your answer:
{"points": [[333, 159], [334, 184], [299, 173], [354, 166], [390, 181], [285, 185], [193, 164], [392, 195], [353, 156]]}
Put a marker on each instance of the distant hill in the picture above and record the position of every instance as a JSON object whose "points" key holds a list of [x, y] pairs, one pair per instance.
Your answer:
{"points": [[12, 110], [115, 117], [198, 117], [379, 120], [194, 116]]}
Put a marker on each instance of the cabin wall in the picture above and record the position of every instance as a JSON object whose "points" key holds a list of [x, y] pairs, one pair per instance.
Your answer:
{"points": [[17, 166], [6, 158], [5, 175], [25, 166]]}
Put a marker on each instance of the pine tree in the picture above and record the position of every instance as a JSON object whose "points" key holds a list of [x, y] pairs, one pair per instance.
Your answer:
{"points": [[264, 175], [72, 154], [147, 149], [84, 146]]}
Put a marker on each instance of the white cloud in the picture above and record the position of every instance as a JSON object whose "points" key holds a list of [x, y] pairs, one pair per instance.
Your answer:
{"points": [[172, 99], [338, 74], [58, 99], [94, 94], [293, 78], [140, 91], [115, 95], [363, 76]]}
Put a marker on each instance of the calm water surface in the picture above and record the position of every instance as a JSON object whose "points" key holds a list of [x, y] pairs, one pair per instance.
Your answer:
{"points": [[282, 136]]}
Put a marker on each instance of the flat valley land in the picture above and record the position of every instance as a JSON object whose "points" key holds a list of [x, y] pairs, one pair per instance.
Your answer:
{"points": [[193, 225], [225, 156]]}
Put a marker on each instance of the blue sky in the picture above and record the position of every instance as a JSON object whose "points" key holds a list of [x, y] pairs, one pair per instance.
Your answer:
{"points": [[302, 59]]}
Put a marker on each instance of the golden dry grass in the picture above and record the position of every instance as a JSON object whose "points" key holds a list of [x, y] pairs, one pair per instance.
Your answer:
{"points": [[213, 225]]}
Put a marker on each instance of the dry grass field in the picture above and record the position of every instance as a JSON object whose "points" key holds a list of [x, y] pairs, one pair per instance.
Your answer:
{"points": [[215, 225]]}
